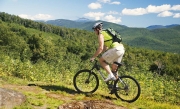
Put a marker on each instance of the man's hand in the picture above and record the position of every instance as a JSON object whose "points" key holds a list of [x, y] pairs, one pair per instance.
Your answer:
{"points": [[92, 59]]}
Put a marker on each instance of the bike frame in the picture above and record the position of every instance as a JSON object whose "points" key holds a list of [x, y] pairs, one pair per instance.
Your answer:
{"points": [[98, 67]]}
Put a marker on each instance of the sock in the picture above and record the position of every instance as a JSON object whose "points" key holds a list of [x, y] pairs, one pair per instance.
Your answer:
{"points": [[111, 74]]}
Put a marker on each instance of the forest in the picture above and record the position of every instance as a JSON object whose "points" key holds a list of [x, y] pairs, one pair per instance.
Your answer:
{"points": [[53, 44], [163, 39]]}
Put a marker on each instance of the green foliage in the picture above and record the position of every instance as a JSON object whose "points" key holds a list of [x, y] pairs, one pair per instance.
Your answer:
{"points": [[40, 52], [158, 39], [75, 49]]}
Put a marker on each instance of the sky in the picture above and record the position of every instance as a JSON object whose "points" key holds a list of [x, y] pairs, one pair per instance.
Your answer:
{"points": [[131, 13]]}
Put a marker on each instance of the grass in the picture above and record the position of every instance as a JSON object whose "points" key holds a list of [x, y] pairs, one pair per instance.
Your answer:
{"points": [[157, 92], [45, 98]]}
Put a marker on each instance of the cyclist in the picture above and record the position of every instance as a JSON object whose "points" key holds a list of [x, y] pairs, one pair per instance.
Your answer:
{"points": [[113, 51]]}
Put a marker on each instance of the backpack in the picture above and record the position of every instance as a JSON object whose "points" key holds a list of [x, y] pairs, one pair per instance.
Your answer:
{"points": [[116, 37]]}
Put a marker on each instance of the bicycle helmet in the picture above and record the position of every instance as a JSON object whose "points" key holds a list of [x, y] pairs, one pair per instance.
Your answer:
{"points": [[98, 25]]}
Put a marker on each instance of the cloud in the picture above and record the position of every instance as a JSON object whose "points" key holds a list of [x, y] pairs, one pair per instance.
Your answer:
{"points": [[94, 5], [115, 3], [101, 16], [176, 15], [42, 16], [95, 15], [36, 17], [113, 12], [162, 10], [105, 1], [25, 16], [165, 14], [157, 9], [113, 19], [176, 7], [109, 1], [137, 11]]}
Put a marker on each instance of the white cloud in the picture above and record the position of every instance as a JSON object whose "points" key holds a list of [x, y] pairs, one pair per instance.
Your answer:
{"points": [[113, 19], [163, 10], [109, 1], [95, 15], [176, 7], [36, 17], [115, 3], [176, 15], [42, 16], [94, 5], [113, 12], [165, 14], [104, 1], [25, 16], [137, 11], [157, 9]]}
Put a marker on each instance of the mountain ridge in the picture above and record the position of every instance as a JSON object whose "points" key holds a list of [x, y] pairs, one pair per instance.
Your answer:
{"points": [[163, 38], [151, 27], [85, 20]]}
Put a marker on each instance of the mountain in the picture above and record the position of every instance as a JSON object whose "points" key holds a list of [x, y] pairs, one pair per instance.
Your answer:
{"points": [[64, 23], [156, 37], [160, 26], [173, 25], [155, 27], [164, 39], [82, 23], [83, 20]]}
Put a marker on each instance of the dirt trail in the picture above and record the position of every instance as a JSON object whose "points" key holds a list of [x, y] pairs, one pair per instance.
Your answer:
{"points": [[69, 101]]}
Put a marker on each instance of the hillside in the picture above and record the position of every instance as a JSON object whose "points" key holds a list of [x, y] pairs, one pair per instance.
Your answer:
{"points": [[49, 56], [28, 40], [150, 38], [161, 26]]}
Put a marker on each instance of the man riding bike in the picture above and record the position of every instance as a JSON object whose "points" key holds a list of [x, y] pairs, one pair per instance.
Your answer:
{"points": [[113, 51]]}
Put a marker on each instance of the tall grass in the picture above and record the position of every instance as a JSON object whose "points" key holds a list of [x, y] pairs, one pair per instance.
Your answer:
{"points": [[156, 88]]}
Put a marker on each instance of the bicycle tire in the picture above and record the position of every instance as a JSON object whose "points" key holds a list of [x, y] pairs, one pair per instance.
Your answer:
{"points": [[86, 81], [128, 93]]}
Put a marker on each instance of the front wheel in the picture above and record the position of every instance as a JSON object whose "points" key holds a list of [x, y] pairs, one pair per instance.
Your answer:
{"points": [[85, 81], [127, 89]]}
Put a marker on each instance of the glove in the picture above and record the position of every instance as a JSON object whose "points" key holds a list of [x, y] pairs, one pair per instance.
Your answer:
{"points": [[92, 59]]}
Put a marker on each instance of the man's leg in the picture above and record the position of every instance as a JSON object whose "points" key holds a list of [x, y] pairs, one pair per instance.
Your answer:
{"points": [[114, 70], [114, 67], [105, 65], [107, 68]]}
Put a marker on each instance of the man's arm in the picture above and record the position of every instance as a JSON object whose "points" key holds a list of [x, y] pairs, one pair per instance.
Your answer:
{"points": [[100, 47]]}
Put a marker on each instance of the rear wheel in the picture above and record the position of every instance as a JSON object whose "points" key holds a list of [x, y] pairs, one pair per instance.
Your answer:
{"points": [[127, 89], [85, 81]]}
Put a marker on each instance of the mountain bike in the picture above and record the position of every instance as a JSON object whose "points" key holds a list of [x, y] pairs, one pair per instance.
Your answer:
{"points": [[124, 87]]}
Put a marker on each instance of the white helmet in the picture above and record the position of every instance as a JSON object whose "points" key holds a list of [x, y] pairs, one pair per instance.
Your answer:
{"points": [[98, 25]]}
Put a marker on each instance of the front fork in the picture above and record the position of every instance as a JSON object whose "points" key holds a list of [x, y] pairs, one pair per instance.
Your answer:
{"points": [[88, 79]]}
